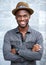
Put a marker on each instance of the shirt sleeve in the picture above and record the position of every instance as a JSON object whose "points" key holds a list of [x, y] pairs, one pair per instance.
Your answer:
{"points": [[30, 55], [7, 51]]}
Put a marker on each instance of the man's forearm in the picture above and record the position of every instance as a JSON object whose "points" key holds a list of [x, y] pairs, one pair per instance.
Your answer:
{"points": [[29, 55], [34, 54]]}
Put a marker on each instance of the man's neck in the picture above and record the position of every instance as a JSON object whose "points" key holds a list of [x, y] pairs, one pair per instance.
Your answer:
{"points": [[23, 30]]}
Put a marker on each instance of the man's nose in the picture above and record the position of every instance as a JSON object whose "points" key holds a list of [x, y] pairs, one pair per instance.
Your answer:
{"points": [[22, 18]]}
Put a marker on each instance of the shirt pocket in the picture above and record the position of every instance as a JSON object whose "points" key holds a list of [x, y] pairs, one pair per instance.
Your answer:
{"points": [[15, 44], [29, 44]]}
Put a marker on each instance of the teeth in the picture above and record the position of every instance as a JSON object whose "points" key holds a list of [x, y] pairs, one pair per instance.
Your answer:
{"points": [[22, 22]]}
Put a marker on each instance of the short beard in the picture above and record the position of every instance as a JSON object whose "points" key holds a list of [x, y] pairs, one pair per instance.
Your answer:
{"points": [[23, 26]]}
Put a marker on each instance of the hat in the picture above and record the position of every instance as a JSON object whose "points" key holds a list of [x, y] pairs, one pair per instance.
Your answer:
{"points": [[22, 6]]}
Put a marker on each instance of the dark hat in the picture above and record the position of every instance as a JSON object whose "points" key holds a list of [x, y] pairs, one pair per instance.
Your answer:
{"points": [[22, 6]]}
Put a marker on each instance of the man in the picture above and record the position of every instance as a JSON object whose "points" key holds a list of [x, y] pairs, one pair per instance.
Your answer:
{"points": [[23, 45]]}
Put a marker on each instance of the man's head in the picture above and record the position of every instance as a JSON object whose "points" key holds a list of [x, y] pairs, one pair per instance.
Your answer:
{"points": [[22, 13], [22, 17]]}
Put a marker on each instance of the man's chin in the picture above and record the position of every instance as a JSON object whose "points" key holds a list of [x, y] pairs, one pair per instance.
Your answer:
{"points": [[22, 26]]}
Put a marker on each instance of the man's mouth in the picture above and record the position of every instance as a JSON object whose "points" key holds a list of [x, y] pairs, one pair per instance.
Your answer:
{"points": [[23, 23]]}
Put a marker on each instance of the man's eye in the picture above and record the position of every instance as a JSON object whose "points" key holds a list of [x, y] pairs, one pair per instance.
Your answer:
{"points": [[18, 16], [25, 15]]}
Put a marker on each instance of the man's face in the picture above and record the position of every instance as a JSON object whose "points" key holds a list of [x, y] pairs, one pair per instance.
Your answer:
{"points": [[22, 17]]}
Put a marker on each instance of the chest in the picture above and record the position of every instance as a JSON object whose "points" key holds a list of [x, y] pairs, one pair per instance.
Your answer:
{"points": [[18, 41]]}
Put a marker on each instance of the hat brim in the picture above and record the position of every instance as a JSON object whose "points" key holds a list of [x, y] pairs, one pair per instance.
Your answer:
{"points": [[28, 9]]}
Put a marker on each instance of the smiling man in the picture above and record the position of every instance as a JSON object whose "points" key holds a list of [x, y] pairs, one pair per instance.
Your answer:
{"points": [[23, 45]]}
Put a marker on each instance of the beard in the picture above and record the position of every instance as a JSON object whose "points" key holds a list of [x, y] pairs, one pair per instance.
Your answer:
{"points": [[22, 25]]}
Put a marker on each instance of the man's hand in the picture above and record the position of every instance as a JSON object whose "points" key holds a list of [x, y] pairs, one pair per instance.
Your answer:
{"points": [[13, 51], [36, 48]]}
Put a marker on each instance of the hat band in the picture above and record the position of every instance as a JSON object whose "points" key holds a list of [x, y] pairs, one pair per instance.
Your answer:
{"points": [[22, 7]]}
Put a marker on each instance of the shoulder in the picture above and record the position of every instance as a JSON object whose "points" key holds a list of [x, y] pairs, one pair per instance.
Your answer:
{"points": [[10, 32], [35, 32]]}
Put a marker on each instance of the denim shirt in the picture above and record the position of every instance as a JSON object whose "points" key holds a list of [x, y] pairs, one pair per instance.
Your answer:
{"points": [[13, 38]]}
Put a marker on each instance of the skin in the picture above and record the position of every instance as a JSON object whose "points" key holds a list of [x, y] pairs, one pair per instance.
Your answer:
{"points": [[22, 17]]}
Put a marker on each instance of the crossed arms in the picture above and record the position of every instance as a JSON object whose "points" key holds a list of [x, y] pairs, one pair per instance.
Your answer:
{"points": [[11, 54]]}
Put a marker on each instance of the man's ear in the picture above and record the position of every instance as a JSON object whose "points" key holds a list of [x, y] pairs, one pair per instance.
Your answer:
{"points": [[29, 16]]}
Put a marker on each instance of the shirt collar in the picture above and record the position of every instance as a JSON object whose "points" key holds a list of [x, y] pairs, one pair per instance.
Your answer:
{"points": [[29, 30]]}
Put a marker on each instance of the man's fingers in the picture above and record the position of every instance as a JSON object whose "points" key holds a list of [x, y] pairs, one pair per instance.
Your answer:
{"points": [[13, 51], [37, 45]]}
